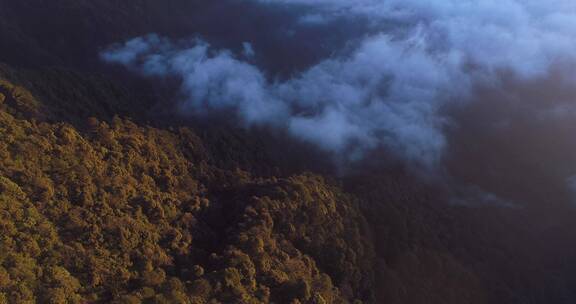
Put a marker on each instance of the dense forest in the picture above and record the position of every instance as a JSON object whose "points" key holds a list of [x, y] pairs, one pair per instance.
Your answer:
{"points": [[121, 212], [102, 201]]}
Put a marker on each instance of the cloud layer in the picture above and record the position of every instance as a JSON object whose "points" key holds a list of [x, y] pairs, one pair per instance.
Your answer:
{"points": [[387, 89]]}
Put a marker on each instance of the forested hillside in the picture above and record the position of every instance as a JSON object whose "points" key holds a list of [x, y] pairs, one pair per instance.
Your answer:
{"points": [[106, 209], [108, 196], [127, 213]]}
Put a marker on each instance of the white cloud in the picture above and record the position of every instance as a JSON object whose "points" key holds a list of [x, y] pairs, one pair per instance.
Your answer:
{"points": [[390, 89]]}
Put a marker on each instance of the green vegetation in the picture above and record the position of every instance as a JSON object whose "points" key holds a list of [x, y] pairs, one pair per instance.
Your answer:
{"points": [[114, 210], [98, 205], [125, 213]]}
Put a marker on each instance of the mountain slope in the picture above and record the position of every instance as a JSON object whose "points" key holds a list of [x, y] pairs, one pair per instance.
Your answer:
{"points": [[102, 200], [130, 213]]}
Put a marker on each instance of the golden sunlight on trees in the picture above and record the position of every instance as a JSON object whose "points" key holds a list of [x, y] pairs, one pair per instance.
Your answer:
{"points": [[123, 213]]}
